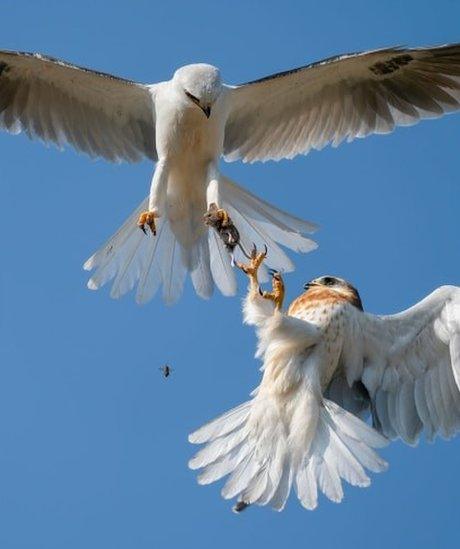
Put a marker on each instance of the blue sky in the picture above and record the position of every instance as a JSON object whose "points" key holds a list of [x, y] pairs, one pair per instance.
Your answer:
{"points": [[93, 441]]}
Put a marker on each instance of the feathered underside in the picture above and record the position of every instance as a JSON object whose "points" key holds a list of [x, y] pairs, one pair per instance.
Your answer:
{"points": [[340, 98], [57, 102]]}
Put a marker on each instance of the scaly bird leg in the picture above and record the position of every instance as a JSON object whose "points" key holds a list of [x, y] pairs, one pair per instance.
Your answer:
{"points": [[278, 291], [251, 268]]}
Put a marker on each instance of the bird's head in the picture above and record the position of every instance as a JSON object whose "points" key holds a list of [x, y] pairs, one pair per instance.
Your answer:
{"points": [[337, 285], [201, 84]]}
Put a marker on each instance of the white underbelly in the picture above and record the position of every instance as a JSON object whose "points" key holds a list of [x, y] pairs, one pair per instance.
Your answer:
{"points": [[190, 144], [186, 201]]}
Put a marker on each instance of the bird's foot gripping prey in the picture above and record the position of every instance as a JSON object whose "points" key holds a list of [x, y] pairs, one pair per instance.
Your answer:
{"points": [[219, 219], [277, 293], [188, 123], [184, 241], [328, 368]]}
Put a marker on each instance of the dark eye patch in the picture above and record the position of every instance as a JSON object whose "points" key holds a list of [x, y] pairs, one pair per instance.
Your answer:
{"points": [[192, 97], [328, 281]]}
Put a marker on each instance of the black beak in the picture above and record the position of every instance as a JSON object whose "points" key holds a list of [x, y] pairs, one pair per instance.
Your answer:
{"points": [[207, 111], [308, 285]]}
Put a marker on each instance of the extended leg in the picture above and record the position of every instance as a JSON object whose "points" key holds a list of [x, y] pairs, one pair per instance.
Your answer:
{"points": [[277, 293], [156, 198], [219, 219], [213, 199], [212, 190], [251, 269]]}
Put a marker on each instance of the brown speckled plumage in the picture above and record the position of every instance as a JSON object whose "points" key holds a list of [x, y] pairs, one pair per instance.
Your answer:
{"points": [[324, 306], [322, 296]]}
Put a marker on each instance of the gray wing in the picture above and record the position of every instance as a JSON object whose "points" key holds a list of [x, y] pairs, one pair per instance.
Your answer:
{"points": [[343, 97], [97, 113], [409, 365]]}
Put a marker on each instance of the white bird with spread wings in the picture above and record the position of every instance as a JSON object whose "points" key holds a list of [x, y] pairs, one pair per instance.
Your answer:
{"points": [[327, 366], [188, 123]]}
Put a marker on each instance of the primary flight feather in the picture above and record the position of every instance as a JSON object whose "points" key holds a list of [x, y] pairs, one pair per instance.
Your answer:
{"points": [[188, 123]]}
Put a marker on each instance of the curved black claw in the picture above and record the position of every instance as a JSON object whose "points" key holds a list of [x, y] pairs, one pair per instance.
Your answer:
{"points": [[142, 228], [254, 251], [273, 272], [245, 253]]}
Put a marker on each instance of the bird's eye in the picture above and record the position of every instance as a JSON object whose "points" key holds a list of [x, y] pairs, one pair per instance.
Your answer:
{"points": [[328, 281], [191, 97]]}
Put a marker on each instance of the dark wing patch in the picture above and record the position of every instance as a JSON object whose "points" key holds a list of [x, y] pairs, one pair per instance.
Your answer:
{"points": [[387, 67], [3, 68], [315, 64], [340, 98]]}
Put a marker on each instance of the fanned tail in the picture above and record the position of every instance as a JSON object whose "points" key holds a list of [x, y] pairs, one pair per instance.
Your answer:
{"points": [[131, 258], [265, 457]]}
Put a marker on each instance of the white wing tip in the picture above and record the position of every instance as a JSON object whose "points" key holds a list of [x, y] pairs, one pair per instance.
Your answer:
{"points": [[308, 246], [91, 285], [195, 438], [142, 299], [193, 464], [89, 264]]}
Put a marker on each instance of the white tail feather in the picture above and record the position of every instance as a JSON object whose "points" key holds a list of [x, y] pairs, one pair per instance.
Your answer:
{"points": [[130, 257], [265, 452]]}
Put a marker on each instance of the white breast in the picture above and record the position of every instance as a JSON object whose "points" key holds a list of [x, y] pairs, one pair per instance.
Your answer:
{"points": [[330, 318]]}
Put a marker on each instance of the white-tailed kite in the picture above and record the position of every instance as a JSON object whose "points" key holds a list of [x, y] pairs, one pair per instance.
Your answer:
{"points": [[186, 124], [326, 366]]}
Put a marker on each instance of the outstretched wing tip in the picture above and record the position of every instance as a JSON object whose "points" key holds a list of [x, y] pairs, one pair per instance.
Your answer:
{"points": [[56, 102], [341, 98]]}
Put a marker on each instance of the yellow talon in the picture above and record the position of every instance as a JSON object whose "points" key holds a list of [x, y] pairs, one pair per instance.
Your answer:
{"points": [[252, 267], [278, 291], [147, 219]]}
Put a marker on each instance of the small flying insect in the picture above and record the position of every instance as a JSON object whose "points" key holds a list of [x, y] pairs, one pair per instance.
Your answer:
{"points": [[165, 370]]}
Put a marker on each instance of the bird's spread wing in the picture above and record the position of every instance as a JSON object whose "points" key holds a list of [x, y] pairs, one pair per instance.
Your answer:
{"points": [[343, 97], [97, 113], [409, 364]]}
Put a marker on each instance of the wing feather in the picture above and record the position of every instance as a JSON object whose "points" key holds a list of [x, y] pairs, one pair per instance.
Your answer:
{"points": [[343, 97], [97, 113], [409, 366]]}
